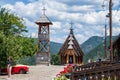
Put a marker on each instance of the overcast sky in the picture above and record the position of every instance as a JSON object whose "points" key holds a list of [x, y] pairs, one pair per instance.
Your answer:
{"points": [[87, 15]]}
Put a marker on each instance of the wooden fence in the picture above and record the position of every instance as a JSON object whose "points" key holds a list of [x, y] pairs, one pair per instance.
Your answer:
{"points": [[104, 70]]}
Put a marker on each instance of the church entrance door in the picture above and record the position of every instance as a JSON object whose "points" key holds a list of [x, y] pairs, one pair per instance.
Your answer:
{"points": [[70, 59]]}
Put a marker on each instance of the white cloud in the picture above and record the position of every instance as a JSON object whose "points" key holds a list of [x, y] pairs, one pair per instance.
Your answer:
{"points": [[56, 25], [116, 17], [56, 5], [116, 30], [82, 9], [77, 25], [9, 6], [116, 3], [29, 10], [85, 14], [59, 40], [52, 32], [34, 35], [94, 17], [29, 23], [81, 38]]}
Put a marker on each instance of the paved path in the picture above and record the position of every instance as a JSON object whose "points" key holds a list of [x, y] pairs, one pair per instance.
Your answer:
{"points": [[39, 72]]}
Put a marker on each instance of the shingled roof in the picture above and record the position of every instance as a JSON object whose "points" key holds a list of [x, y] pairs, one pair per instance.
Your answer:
{"points": [[43, 19], [71, 43]]}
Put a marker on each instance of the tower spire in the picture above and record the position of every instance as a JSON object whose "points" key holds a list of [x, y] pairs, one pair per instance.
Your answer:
{"points": [[71, 28]]}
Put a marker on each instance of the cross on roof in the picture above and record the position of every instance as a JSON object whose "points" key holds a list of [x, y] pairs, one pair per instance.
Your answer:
{"points": [[71, 29], [71, 24], [44, 10]]}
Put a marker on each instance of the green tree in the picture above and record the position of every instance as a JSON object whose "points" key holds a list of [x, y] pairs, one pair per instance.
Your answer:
{"points": [[17, 47], [2, 50], [55, 59], [10, 23], [11, 43]]}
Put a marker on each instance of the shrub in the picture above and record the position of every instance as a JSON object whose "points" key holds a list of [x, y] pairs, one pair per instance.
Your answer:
{"points": [[55, 59]]}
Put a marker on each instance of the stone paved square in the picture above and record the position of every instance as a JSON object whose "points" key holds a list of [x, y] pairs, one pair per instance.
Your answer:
{"points": [[39, 72]]}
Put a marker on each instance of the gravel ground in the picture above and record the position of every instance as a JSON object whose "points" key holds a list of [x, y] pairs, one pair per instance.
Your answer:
{"points": [[39, 72]]}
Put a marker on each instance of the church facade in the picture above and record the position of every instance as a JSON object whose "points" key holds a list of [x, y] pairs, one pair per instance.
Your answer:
{"points": [[70, 52]]}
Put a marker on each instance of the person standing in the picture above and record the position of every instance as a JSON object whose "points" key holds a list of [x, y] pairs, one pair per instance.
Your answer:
{"points": [[89, 60], [9, 66]]}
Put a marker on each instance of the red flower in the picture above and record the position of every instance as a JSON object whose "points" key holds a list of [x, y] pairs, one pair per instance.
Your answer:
{"points": [[66, 70], [58, 75]]}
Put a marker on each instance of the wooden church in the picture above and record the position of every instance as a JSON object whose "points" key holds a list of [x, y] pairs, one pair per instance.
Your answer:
{"points": [[70, 52]]}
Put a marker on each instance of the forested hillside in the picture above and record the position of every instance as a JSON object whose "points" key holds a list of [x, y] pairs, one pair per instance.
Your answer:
{"points": [[55, 47], [91, 43], [98, 51]]}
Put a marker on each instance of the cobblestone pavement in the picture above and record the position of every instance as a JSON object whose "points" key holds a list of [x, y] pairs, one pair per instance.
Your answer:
{"points": [[39, 72]]}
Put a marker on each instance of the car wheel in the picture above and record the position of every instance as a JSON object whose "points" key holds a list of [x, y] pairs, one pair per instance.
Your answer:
{"points": [[22, 71]]}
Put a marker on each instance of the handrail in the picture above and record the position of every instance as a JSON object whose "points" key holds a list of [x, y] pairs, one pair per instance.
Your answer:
{"points": [[92, 66], [96, 69]]}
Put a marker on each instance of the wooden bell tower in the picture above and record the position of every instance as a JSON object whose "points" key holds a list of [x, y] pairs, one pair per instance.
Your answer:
{"points": [[43, 54]]}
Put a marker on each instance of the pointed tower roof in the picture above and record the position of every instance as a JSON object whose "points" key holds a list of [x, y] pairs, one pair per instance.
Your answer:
{"points": [[43, 19], [71, 44], [71, 29]]}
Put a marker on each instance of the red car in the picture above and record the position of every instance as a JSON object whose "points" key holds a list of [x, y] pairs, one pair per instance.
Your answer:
{"points": [[17, 69]]}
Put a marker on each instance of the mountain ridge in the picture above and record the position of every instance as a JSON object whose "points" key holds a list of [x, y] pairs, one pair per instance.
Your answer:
{"points": [[86, 46]]}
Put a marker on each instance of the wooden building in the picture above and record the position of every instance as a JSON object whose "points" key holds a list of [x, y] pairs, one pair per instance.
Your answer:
{"points": [[116, 49], [70, 52], [43, 54]]}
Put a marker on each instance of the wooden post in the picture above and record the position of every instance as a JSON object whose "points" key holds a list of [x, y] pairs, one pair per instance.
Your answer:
{"points": [[118, 74], [67, 59], [100, 76], [110, 23], [112, 75], [74, 59], [93, 77]]}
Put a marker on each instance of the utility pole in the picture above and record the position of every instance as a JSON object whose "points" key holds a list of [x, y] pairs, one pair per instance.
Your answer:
{"points": [[105, 45], [110, 24]]}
